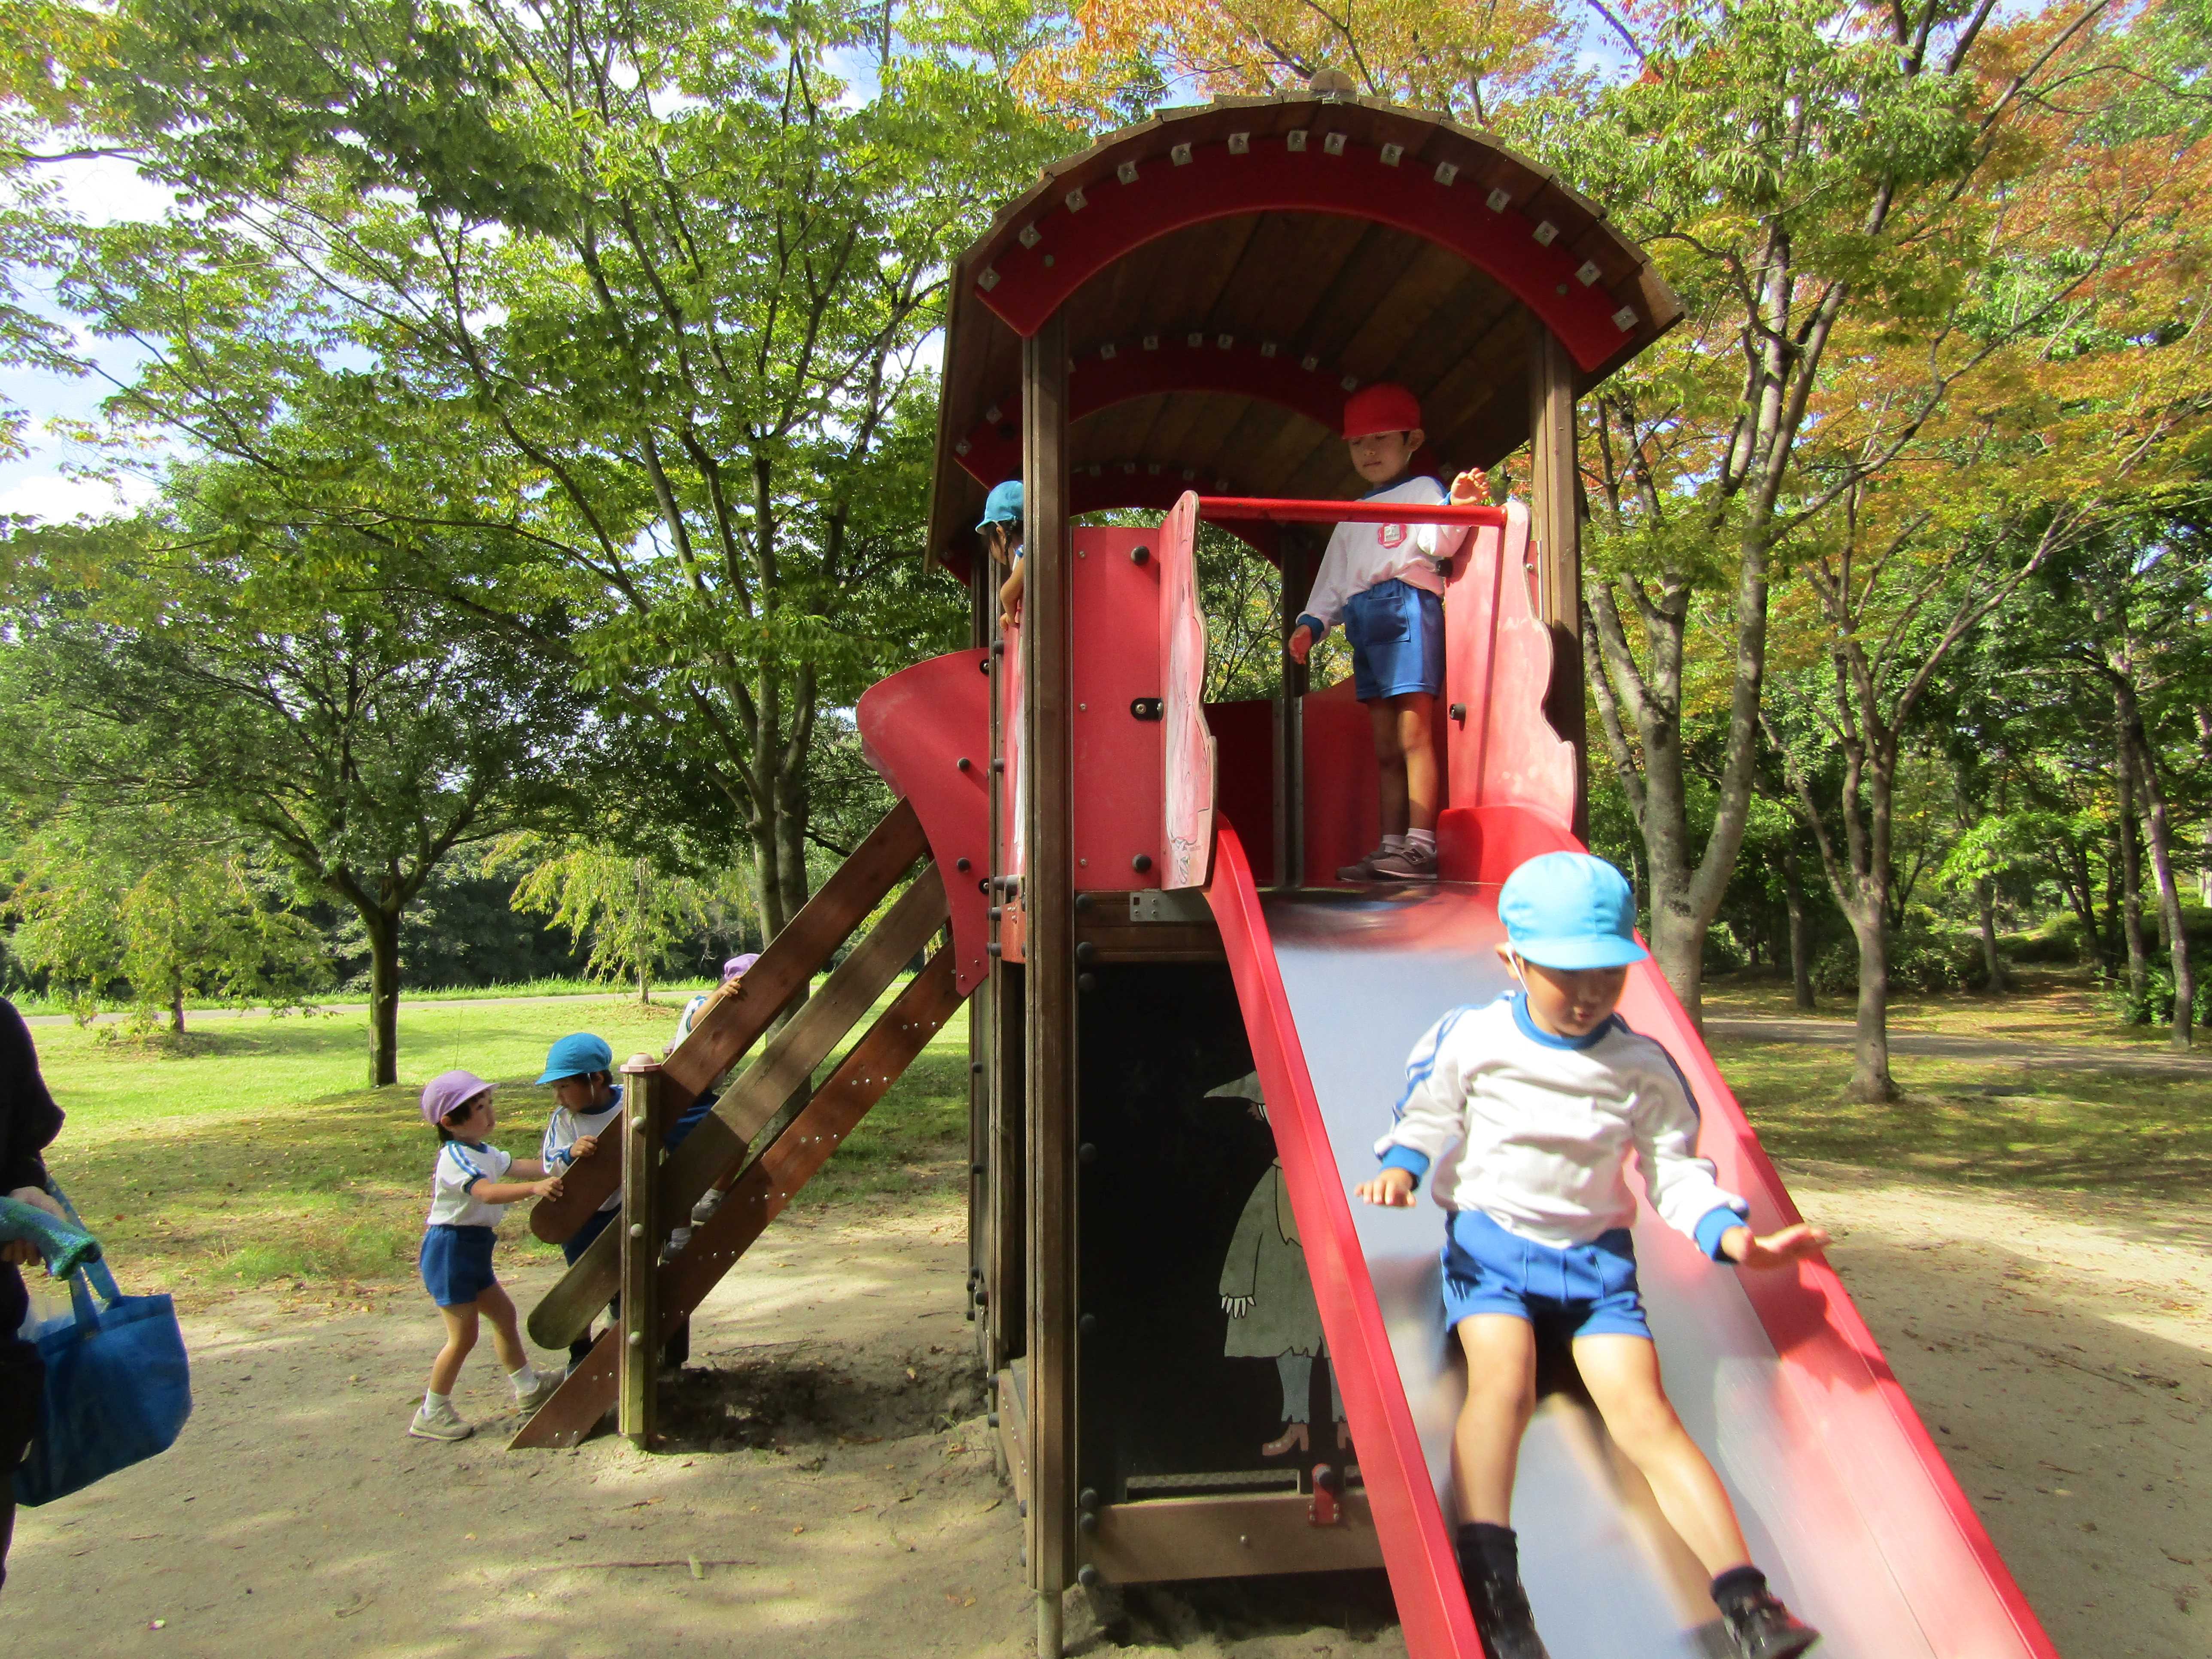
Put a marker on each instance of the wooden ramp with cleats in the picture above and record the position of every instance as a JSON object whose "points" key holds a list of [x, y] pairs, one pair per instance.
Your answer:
{"points": [[722, 1140]]}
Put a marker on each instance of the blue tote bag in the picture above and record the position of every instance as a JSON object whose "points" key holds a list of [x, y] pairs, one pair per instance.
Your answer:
{"points": [[117, 1387]]}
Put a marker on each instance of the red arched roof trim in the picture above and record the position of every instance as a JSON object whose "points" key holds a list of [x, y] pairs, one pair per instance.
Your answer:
{"points": [[1029, 270], [1122, 371]]}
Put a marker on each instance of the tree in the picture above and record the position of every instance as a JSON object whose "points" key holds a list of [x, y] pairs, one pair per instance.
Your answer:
{"points": [[634, 915], [622, 308], [148, 909], [358, 736]]}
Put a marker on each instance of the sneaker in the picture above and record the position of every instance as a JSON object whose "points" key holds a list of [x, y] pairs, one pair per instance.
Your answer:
{"points": [[1502, 1617], [703, 1210], [1764, 1629], [443, 1424], [1407, 863], [1362, 870], [548, 1385]]}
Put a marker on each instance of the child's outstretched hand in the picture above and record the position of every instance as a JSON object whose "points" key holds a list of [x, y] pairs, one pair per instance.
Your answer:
{"points": [[1301, 644], [548, 1188], [1746, 1249], [1471, 488], [1393, 1189]]}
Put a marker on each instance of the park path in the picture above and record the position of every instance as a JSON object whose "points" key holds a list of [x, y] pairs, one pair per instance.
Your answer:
{"points": [[1949, 1045]]}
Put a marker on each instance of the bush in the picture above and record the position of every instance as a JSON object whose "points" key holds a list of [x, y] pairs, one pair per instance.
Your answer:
{"points": [[1723, 955], [2155, 1005], [2059, 941], [1920, 959]]}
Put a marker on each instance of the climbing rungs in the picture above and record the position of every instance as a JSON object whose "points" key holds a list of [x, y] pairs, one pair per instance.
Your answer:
{"points": [[737, 1014], [720, 1139], [868, 1070]]}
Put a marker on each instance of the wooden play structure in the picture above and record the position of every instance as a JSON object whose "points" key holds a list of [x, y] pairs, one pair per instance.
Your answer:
{"points": [[1184, 1033]]}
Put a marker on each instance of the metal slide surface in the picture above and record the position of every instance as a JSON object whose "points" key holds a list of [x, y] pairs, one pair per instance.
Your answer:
{"points": [[1844, 1502]]}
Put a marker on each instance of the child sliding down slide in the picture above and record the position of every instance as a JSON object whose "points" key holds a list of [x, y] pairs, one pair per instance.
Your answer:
{"points": [[468, 1195], [1523, 1115], [1386, 582]]}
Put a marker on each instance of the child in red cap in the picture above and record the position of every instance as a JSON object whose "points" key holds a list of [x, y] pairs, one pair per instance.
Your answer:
{"points": [[1385, 582]]}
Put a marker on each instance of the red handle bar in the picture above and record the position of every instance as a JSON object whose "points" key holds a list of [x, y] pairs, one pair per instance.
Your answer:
{"points": [[1218, 507]]}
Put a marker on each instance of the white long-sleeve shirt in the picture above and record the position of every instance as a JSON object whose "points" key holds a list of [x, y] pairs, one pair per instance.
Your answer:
{"points": [[1361, 555], [565, 1128], [1535, 1130]]}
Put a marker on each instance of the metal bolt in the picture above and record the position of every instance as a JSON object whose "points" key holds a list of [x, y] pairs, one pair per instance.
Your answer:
{"points": [[637, 1339], [637, 1229]]}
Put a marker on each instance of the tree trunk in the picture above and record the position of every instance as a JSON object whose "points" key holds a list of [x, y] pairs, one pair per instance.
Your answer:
{"points": [[1678, 946], [2131, 927], [2162, 862], [176, 1011], [1993, 971], [1801, 945], [382, 928], [1870, 1079], [645, 943]]}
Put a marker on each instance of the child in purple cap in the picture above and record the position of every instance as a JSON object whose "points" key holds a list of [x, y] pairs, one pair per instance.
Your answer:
{"points": [[1524, 1113], [468, 1195]]}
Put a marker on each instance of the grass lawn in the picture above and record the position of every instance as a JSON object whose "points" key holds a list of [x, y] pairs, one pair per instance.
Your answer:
{"points": [[251, 1153], [2047, 1006]]}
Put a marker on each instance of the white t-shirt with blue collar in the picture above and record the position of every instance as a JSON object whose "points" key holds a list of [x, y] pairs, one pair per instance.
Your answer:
{"points": [[1535, 1130], [565, 1128], [461, 1165]]}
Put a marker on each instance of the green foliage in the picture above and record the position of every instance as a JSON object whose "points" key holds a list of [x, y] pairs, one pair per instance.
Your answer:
{"points": [[633, 915], [147, 912], [1921, 959]]}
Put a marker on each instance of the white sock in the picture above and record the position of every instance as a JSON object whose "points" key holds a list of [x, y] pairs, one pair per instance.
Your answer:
{"points": [[1394, 843], [524, 1380], [434, 1401], [1422, 838]]}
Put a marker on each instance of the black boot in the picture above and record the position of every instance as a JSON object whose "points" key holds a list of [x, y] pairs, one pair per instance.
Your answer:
{"points": [[1761, 1627], [1502, 1615]]}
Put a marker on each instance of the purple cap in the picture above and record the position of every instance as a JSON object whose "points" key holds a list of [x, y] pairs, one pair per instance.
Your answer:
{"points": [[737, 965], [448, 1090]]}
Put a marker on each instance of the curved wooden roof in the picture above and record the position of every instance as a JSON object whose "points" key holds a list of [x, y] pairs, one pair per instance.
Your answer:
{"points": [[1231, 269]]}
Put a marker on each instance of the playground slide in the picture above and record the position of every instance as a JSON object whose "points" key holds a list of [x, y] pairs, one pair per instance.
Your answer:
{"points": [[1845, 1501]]}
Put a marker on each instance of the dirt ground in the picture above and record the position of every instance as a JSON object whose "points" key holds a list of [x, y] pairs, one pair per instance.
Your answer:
{"points": [[830, 1483]]}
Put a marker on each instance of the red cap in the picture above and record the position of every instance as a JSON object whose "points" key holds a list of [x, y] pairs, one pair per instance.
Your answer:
{"points": [[1382, 407]]}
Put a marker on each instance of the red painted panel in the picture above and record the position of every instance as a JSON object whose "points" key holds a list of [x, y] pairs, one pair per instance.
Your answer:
{"points": [[927, 730], [1498, 660], [1187, 847], [1244, 777], [1343, 795], [1119, 767], [1027, 285]]}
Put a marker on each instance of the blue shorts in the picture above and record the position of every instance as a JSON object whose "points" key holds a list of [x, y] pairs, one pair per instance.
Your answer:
{"points": [[457, 1264], [1585, 1290], [1397, 635]]}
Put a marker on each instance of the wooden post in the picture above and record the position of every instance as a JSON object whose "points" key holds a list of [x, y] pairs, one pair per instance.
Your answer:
{"points": [[644, 1118], [1301, 562], [1048, 901], [1555, 535], [982, 624]]}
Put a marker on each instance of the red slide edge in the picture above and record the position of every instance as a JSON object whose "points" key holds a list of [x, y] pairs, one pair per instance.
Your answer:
{"points": [[1417, 1548]]}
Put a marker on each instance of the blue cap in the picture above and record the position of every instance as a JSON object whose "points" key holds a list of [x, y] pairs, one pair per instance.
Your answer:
{"points": [[1004, 504], [1571, 911], [575, 1054]]}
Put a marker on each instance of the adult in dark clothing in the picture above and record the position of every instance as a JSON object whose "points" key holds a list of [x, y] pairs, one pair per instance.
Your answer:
{"points": [[29, 1121]]}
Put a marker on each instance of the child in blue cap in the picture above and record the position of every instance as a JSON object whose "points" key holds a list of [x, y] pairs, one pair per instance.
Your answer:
{"points": [[580, 1068], [1000, 528], [1523, 1115]]}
